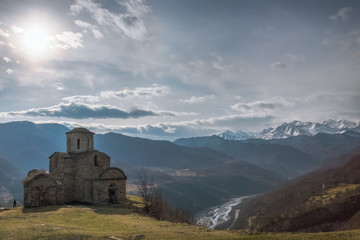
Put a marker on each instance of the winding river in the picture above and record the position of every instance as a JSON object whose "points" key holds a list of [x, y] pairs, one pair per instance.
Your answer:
{"points": [[218, 214]]}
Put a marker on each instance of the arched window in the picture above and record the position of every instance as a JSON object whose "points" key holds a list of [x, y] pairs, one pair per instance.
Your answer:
{"points": [[96, 161], [112, 193], [78, 143]]}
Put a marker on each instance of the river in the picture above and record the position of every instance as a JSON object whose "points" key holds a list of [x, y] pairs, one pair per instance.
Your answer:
{"points": [[216, 215]]}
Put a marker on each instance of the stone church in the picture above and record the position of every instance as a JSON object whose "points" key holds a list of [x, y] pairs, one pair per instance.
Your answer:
{"points": [[80, 175]]}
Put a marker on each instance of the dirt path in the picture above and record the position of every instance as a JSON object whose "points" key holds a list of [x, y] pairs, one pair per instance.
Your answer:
{"points": [[236, 217]]}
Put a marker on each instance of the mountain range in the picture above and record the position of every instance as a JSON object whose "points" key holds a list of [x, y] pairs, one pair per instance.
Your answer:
{"points": [[289, 157], [193, 173], [295, 128], [193, 178]]}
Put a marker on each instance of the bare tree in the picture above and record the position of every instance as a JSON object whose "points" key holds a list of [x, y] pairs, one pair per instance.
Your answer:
{"points": [[144, 185], [155, 205]]}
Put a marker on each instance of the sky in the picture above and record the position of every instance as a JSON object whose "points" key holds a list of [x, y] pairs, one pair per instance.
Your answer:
{"points": [[165, 69]]}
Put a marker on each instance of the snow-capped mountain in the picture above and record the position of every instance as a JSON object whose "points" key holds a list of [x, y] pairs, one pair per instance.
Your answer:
{"points": [[296, 128], [229, 135]]}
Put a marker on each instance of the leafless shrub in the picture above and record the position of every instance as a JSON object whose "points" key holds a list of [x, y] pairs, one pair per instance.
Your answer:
{"points": [[155, 205]]}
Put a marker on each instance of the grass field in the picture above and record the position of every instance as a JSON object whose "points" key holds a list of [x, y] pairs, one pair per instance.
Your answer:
{"points": [[120, 222]]}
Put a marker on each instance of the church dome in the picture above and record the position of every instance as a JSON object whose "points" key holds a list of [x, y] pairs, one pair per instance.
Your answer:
{"points": [[79, 130], [79, 140]]}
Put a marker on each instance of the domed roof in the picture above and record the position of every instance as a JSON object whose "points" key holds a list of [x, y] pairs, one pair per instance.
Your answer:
{"points": [[79, 130]]}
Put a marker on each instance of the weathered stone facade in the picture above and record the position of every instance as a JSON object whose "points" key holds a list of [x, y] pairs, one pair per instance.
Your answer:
{"points": [[82, 175]]}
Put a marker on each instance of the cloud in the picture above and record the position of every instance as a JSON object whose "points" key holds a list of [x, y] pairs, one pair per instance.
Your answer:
{"points": [[235, 121], [68, 39], [218, 63], [83, 24], [194, 99], [262, 106], [97, 33], [130, 22], [142, 92], [82, 99], [4, 34], [278, 65], [59, 86], [9, 71], [15, 29], [83, 111], [296, 58], [343, 14], [7, 59]]}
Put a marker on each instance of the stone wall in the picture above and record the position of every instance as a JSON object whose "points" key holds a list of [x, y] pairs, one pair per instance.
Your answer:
{"points": [[42, 189], [78, 142], [110, 187], [77, 172], [103, 188], [88, 169]]}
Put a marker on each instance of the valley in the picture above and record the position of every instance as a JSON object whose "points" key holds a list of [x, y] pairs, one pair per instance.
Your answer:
{"points": [[217, 215], [202, 172]]}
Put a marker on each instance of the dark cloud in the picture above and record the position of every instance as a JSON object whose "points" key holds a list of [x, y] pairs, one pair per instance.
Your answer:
{"points": [[83, 111], [271, 104]]}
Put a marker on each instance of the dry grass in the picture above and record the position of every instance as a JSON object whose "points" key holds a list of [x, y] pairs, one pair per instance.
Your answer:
{"points": [[336, 193], [119, 222]]}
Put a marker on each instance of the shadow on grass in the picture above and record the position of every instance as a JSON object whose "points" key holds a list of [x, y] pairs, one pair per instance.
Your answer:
{"points": [[124, 208], [129, 206], [49, 208]]}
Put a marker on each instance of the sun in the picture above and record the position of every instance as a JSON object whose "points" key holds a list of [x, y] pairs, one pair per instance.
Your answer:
{"points": [[36, 41]]}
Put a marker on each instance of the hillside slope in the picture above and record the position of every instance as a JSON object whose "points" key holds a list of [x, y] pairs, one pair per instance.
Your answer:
{"points": [[325, 200], [151, 153], [120, 222], [28, 145], [10, 182], [280, 158], [191, 178], [284, 160], [322, 146]]}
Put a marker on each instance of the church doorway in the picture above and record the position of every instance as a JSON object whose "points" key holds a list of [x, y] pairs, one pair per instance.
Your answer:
{"points": [[112, 193], [35, 197]]}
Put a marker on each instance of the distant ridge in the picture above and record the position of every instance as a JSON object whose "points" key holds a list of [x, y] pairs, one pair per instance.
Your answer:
{"points": [[239, 135], [295, 128]]}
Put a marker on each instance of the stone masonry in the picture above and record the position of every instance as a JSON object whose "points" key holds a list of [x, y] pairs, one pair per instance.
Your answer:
{"points": [[81, 175]]}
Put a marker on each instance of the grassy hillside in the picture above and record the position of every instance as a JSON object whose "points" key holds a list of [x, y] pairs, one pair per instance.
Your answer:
{"points": [[325, 200], [119, 222]]}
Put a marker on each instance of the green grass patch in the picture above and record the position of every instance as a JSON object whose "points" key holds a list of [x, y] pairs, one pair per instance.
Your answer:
{"points": [[123, 221]]}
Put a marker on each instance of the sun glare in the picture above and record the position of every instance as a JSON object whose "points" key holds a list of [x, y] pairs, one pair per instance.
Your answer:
{"points": [[36, 42]]}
